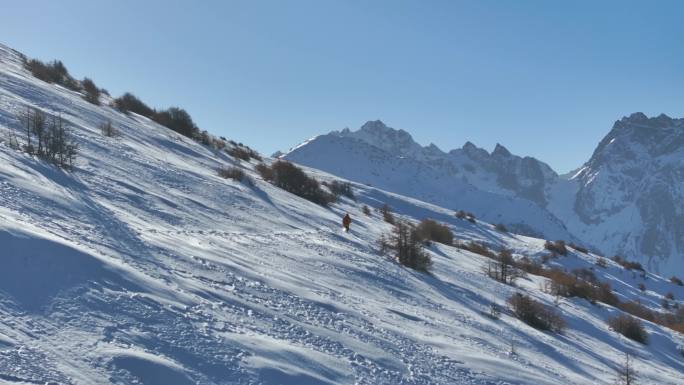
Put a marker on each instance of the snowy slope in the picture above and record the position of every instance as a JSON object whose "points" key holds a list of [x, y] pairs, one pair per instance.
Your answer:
{"points": [[141, 266]]}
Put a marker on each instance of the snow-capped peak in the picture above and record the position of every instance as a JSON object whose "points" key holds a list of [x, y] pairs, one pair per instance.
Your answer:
{"points": [[635, 172], [376, 133]]}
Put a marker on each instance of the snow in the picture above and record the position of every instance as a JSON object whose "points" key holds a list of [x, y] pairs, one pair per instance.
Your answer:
{"points": [[143, 266]]}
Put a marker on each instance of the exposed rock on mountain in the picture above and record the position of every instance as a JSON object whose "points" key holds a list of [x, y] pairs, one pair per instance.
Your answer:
{"points": [[627, 199]]}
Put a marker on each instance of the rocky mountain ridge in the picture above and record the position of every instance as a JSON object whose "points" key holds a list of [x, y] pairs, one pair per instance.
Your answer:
{"points": [[624, 200]]}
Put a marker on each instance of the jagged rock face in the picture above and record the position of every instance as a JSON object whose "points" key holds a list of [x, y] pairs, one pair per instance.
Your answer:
{"points": [[525, 177], [638, 167], [379, 135]]}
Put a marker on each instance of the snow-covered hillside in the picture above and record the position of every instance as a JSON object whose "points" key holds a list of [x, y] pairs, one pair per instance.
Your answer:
{"points": [[625, 200], [142, 266]]}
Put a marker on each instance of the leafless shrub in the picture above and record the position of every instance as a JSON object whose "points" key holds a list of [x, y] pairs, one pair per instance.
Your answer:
{"points": [[429, 229], [407, 247], [629, 327], [387, 215], [108, 129], [557, 247], [294, 180], [234, 173], [92, 93], [341, 189], [477, 248], [501, 227], [535, 313]]}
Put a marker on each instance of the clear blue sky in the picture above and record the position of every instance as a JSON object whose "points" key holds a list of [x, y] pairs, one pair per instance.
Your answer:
{"points": [[544, 78]]}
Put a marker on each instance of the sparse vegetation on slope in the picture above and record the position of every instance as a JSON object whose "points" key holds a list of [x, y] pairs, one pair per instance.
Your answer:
{"points": [[536, 314], [387, 215], [52, 72], [92, 93], [405, 244], [629, 327], [47, 136], [293, 179], [339, 188], [234, 173], [431, 230], [557, 247], [502, 267]]}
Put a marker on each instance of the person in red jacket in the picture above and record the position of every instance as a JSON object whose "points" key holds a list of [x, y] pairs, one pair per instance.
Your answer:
{"points": [[346, 221]]}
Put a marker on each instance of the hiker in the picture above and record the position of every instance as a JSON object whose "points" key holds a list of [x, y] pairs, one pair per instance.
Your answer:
{"points": [[346, 221]]}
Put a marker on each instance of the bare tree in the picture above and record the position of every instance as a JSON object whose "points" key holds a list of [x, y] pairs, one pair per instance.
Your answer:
{"points": [[387, 215], [53, 137], [626, 375], [24, 118], [502, 268], [38, 121], [92, 93], [66, 147], [12, 138], [108, 129], [406, 245]]}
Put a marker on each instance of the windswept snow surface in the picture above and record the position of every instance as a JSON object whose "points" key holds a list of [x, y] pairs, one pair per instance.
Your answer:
{"points": [[142, 266]]}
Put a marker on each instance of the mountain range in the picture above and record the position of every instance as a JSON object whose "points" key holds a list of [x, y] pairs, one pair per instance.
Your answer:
{"points": [[625, 200]]}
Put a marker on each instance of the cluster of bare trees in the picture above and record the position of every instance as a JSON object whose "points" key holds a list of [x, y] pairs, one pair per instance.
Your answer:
{"points": [[407, 246], [47, 136], [502, 267]]}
